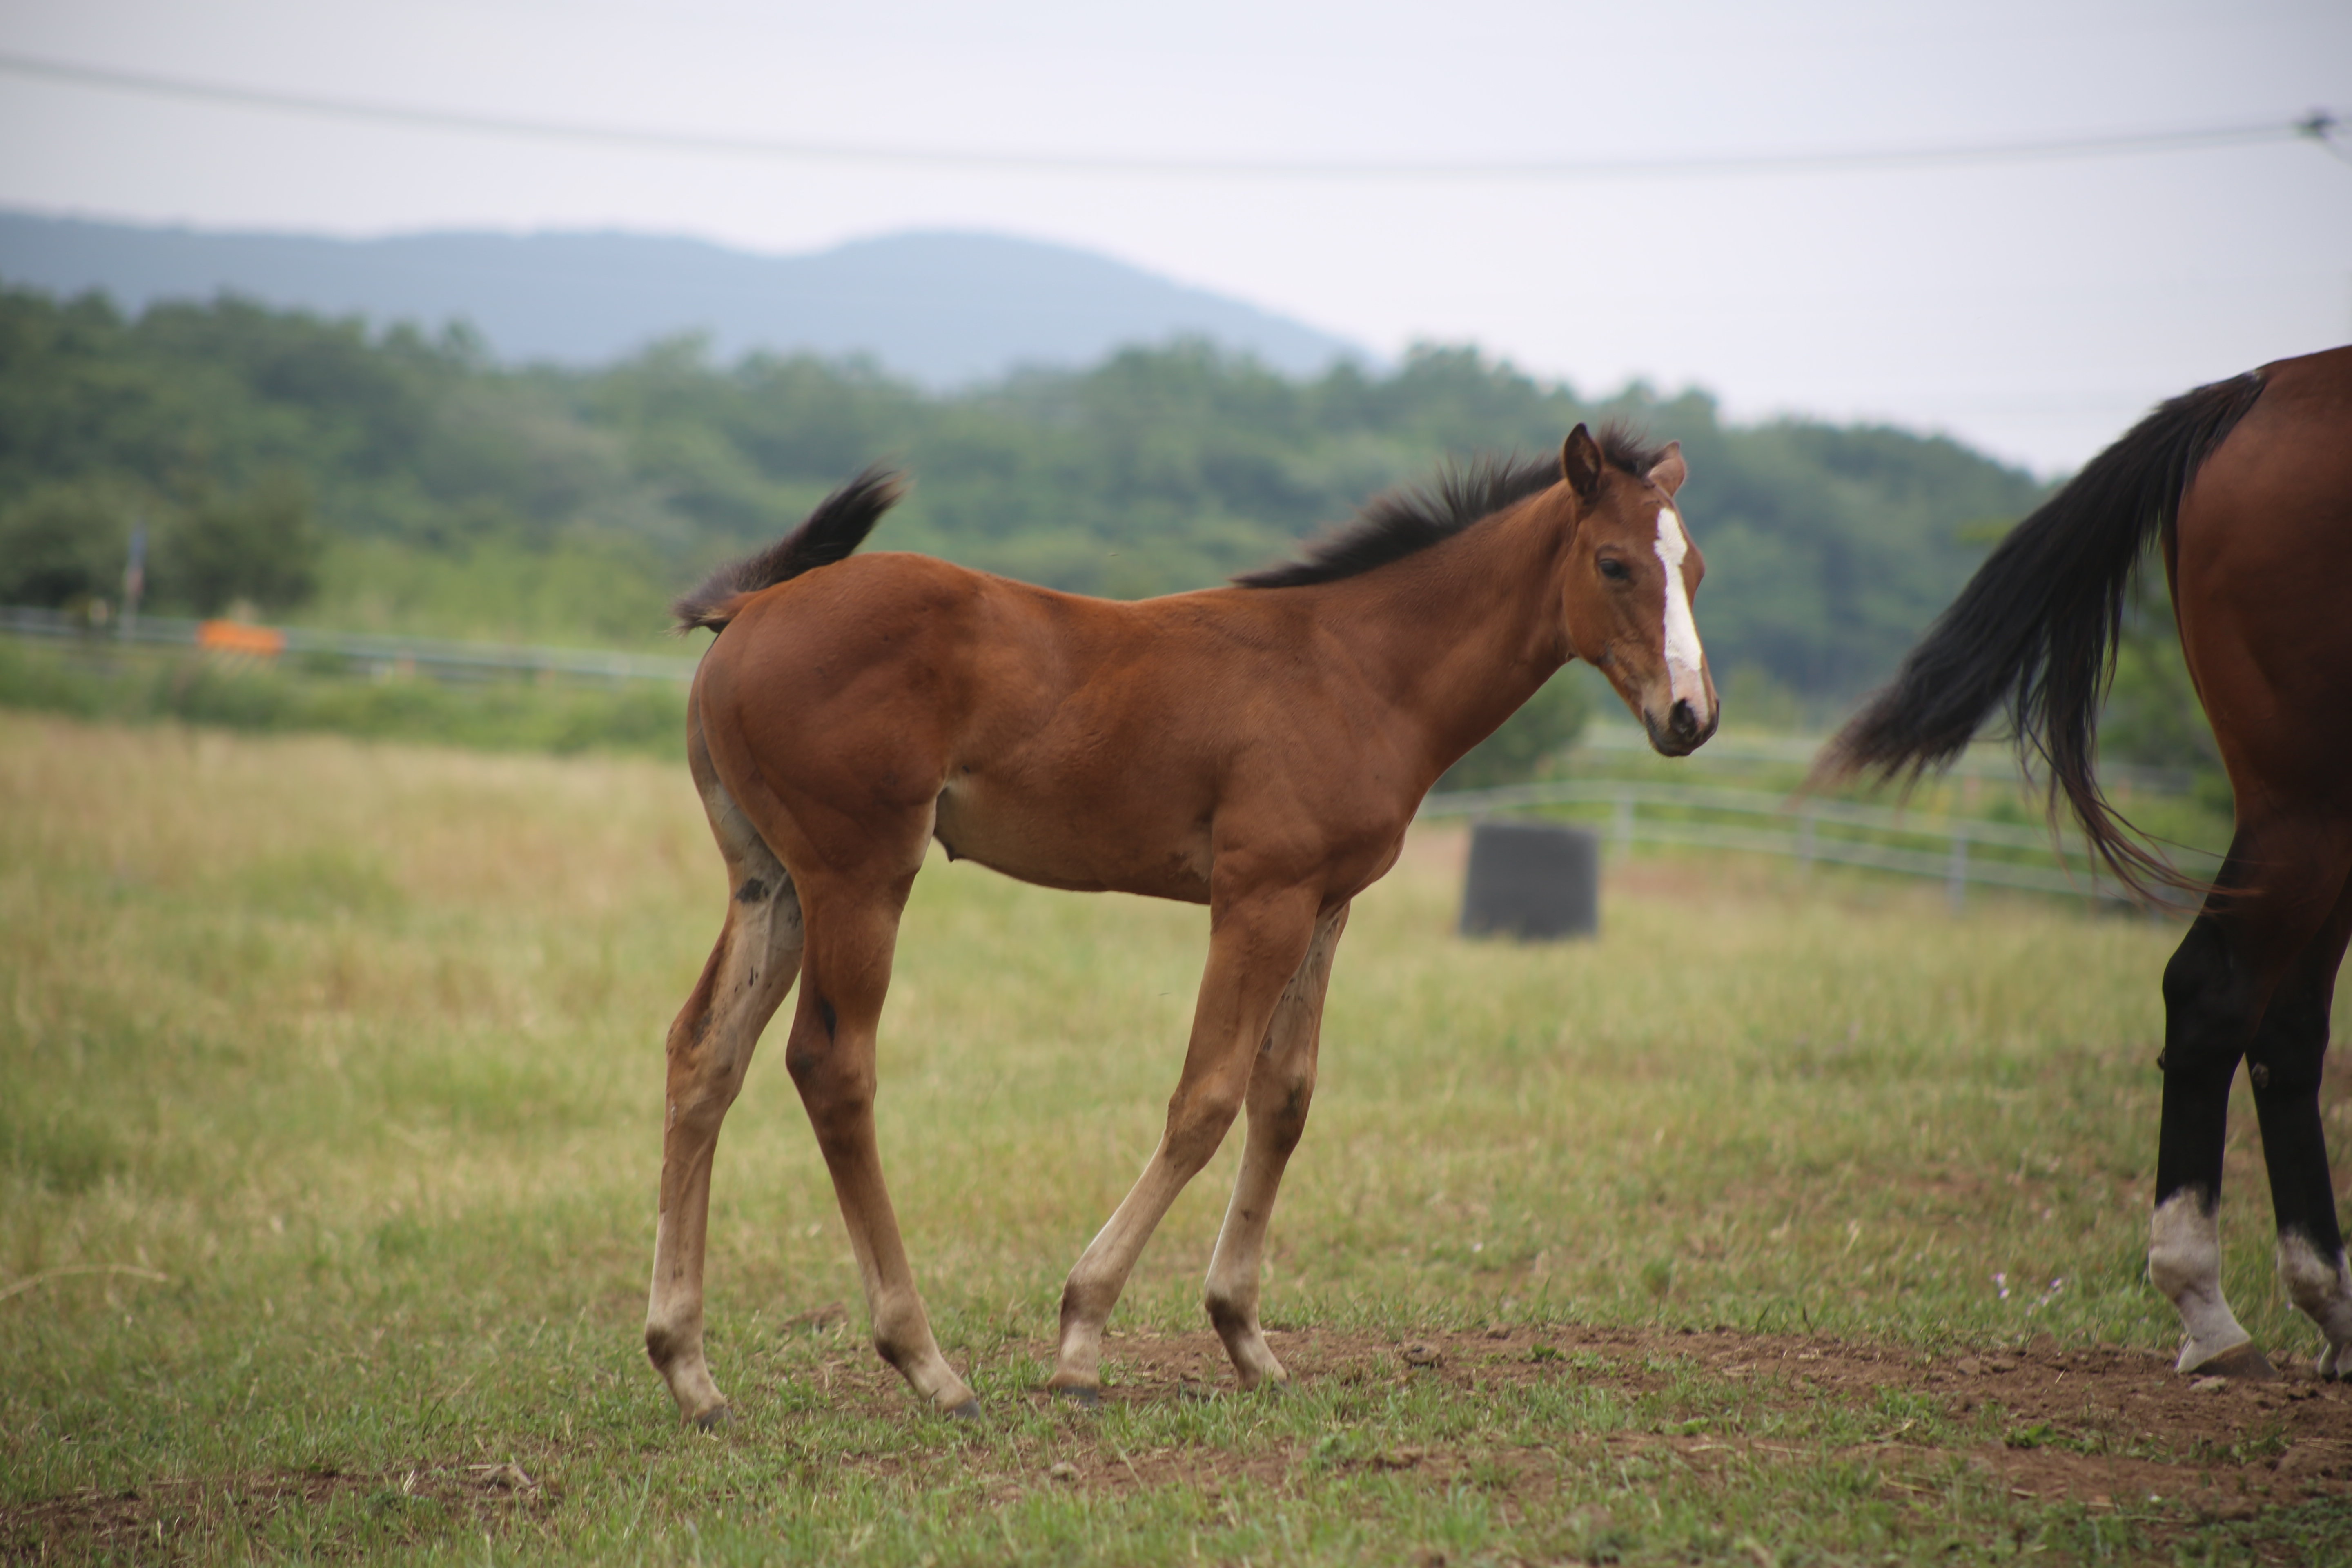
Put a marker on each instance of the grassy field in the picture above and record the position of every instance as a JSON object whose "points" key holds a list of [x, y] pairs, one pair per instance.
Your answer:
{"points": [[329, 1109]]}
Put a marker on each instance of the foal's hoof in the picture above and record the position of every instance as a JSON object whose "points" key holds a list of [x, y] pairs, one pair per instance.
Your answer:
{"points": [[715, 1418], [2243, 1362], [967, 1411], [1085, 1396]]}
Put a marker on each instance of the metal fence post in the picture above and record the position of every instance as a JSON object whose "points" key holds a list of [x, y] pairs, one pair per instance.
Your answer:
{"points": [[1957, 889], [1625, 825]]}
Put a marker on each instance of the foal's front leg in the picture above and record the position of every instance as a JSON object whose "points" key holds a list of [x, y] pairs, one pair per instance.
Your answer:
{"points": [[1282, 1085], [1256, 945]]}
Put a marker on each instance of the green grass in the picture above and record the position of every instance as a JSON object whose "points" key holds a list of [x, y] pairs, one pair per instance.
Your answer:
{"points": [[147, 685], [358, 1045]]}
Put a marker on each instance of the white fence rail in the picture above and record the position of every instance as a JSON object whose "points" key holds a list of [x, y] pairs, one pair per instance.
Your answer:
{"points": [[366, 654], [1754, 821], [1986, 759], [1807, 830]]}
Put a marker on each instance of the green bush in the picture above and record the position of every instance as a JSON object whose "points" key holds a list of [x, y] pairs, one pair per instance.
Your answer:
{"points": [[64, 543], [260, 548]]}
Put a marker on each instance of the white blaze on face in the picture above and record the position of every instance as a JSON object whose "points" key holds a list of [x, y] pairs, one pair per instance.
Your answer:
{"points": [[1686, 662]]}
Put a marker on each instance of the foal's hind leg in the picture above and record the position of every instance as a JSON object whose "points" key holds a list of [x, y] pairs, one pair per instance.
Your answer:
{"points": [[1281, 1085], [853, 931], [2284, 1063], [710, 1043]]}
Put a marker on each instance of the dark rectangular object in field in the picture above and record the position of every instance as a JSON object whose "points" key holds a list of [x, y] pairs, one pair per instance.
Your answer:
{"points": [[1535, 880]]}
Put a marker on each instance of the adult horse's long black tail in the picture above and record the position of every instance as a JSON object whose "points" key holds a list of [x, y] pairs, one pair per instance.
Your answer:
{"points": [[2034, 632]]}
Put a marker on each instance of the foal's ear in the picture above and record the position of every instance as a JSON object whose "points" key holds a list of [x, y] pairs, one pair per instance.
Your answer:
{"points": [[1581, 463], [1669, 472]]}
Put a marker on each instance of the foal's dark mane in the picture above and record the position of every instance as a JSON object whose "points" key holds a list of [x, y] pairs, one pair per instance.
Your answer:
{"points": [[1391, 526], [1411, 518]]}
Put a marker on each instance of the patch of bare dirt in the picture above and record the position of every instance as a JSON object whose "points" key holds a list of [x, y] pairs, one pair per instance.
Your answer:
{"points": [[2102, 1427], [169, 1520], [2098, 1427]]}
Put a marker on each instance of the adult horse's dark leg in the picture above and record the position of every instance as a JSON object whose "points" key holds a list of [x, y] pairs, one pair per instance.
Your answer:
{"points": [[2207, 995], [2273, 897], [2285, 1065]]}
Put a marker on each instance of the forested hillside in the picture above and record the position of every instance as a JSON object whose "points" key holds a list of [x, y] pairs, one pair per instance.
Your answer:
{"points": [[316, 468]]}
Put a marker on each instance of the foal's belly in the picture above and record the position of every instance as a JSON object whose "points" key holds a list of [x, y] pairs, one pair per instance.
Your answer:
{"points": [[1124, 846]]}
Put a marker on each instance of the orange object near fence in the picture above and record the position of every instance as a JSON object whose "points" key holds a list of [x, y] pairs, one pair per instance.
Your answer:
{"points": [[238, 637]]}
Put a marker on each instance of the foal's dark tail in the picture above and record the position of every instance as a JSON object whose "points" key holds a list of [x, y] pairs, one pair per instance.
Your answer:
{"points": [[2034, 632], [838, 526]]}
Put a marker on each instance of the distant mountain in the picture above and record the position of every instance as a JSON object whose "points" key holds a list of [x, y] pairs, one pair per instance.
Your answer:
{"points": [[942, 308]]}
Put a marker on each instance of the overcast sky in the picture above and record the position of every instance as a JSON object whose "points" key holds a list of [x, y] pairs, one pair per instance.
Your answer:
{"points": [[2033, 308]]}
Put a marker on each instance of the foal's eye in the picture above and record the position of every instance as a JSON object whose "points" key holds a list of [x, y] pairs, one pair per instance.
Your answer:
{"points": [[1615, 571]]}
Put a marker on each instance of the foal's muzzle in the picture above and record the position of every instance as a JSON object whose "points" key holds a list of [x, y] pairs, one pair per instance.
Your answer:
{"points": [[1684, 730]]}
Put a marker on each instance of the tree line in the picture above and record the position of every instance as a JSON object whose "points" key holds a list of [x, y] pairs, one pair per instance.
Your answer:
{"points": [[275, 460], [248, 440]]}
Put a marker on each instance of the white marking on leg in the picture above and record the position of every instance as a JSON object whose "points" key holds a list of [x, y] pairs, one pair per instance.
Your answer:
{"points": [[1685, 661], [2184, 1261], [2322, 1288]]}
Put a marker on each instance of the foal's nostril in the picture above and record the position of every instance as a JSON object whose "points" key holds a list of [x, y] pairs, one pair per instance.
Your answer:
{"points": [[1682, 721]]}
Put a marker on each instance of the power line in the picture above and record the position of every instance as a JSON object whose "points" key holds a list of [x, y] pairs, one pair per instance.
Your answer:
{"points": [[2318, 126]]}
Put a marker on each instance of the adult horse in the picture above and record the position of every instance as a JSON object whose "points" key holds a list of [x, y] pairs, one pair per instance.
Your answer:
{"points": [[1259, 749], [2246, 487]]}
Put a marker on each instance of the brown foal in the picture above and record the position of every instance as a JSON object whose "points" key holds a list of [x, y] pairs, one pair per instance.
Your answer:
{"points": [[1259, 749]]}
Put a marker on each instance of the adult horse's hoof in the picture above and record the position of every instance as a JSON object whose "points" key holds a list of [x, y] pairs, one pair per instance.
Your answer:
{"points": [[715, 1418], [2241, 1361], [967, 1411], [1084, 1396]]}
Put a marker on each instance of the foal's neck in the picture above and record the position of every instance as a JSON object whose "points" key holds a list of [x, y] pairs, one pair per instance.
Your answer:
{"points": [[1457, 637]]}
